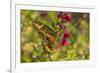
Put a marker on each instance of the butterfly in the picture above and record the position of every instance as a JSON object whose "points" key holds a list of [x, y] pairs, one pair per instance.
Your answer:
{"points": [[47, 35]]}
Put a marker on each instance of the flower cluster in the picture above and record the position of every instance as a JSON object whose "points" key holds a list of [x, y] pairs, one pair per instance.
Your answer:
{"points": [[64, 18]]}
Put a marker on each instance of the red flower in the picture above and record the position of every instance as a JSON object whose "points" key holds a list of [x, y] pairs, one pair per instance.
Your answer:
{"points": [[64, 16], [64, 42], [66, 34], [67, 17]]}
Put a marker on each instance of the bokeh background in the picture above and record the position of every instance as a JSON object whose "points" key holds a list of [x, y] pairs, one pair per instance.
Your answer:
{"points": [[31, 49]]}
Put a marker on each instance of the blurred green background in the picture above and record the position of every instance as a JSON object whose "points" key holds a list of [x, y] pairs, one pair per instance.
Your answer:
{"points": [[31, 49]]}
